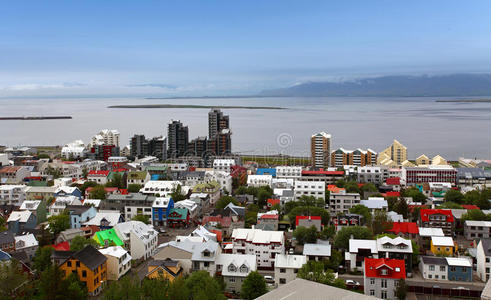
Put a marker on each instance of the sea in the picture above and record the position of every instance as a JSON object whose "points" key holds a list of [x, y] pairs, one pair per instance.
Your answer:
{"points": [[423, 125]]}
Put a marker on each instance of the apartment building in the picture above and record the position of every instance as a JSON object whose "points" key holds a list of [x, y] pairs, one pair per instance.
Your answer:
{"points": [[373, 174], [342, 157], [483, 256], [315, 189], [223, 164], [320, 148], [13, 174], [12, 194], [342, 202], [394, 155], [438, 218], [328, 177], [429, 173], [474, 230], [286, 267], [264, 244], [118, 261], [130, 205], [381, 277], [139, 238], [288, 172]]}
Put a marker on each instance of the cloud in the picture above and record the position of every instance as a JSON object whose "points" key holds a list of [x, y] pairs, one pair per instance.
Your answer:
{"points": [[40, 86], [155, 85]]}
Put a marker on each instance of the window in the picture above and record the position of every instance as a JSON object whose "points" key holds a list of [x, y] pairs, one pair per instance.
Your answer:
{"points": [[383, 294], [487, 259], [372, 292], [396, 283], [383, 271], [282, 280], [207, 264], [231, 279], [282, 270], [84, 274], [77, 264], [384, 283], [432, 267], [430, 276], [69, 264], [443, 276], [442, 269], [372, 281]]}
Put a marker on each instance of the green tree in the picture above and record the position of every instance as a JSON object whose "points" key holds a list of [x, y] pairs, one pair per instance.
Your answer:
{"points": [[59, 223], [79, 242], [225, 200], [328, 232], [401, 290], [474, 215], [177, 195], [134, 188], [98, 192], [341, 240], [86, 185], [335, 260], [202, 286], [472, 197], [415, 194], [352, 187], [401, 207], [454, 196], [11, 279], [263, 194], [450, 205], [52, 285], [42, 258], [128, 288], [2, 225], [369, 187], [305, 235], [483, 202], [142, 218], [380, 222], [363, 211], [116, 181], [253, 286], [155, 289], [340, 183], [316, 271], [391, 202]]}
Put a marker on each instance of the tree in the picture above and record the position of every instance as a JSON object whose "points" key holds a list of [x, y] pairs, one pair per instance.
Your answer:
{"points": [[369, 187], [142, 218], [128, 287], [316, 271], [483, 202], [340, 183], [79, 242], [305, 235], [391, 202], [474, 215], [85, 185], [134, 188], [59, 223], [352, 187], [52, 285], [363, 211], [11, 278], [335, 260], [176, 194], [341, 240], [263, 194], [202, 286], [253, 286], [155, 289], [225, 200], [415, 194], [472, 197], [453, 196], [42, 258], [98, 192], [116, 181], [450, 205], [328, 232], [401, 207], [2, 225], [380, 222], [401, 289]]}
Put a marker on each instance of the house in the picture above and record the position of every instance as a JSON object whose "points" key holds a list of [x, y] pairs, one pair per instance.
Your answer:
{"points": [[234, 210], [273, 202], [160, 210], [130, 205], [316, 189], [443, 245], [395, 217], [138, 177], [259, 180], [20, 221], [234, 268], [342, 202], [264, 244], [12, 194], [37, 207], [425, 235], [192, 255], [105, 219], [108, 237], [164, 269], [13, 174], [405, 229], [68, 235], [80, 214], [178, 217], [98, 176], [223, 178], [118, 261], [204, 233], [92, 202], [345, 220], [309, 221], [212, 188], [381, 277], [397, 248], [484, 259], [108, 191], [319, 251], [161, 188], [459, 269], [226, 224], [433, 267], [268, 219], [7, 241], [27, 243], [438, 218], [358, 251], [477, 229], [223, 164], [63, 191], [139, 238], [375, 204], [40, 192], [91, 267], [61, 203], [286, 267], [191, 206]]}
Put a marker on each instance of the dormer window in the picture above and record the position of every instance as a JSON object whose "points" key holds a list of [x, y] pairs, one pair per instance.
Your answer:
{"points": [[384, 272], [206, 253], [232, 268], [244, 269]]}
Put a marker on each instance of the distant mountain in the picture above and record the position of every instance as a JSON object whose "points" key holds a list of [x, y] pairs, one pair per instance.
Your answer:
{"points": [[393, 86]]}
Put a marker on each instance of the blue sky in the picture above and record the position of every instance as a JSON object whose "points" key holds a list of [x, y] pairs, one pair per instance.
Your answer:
{"points": [[231, 47]]}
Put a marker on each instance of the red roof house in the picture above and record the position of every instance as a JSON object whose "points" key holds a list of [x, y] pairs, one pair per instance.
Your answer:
{"points": [[426, 213], [385, 268], [334, 189], [469, 206], [404, 228], [63, 246], [98, 173], [393, 194], [298, 218]]}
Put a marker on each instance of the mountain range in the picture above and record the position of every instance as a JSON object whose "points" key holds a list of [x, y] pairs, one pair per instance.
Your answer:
{"points": [[452, 85]]}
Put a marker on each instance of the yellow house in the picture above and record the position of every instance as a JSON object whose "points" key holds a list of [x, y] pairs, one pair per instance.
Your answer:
{"points": [[164, 269], [90, 266], [395, 154], [443, 245]]}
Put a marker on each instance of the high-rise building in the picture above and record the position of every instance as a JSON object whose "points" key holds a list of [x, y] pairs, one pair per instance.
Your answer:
{"points": [[358, 157], [320, 148], [177, 138], [220, 140], [216, 122], [394, 155], [139, 146], [158, 147], [105, 137], [198, 146]]}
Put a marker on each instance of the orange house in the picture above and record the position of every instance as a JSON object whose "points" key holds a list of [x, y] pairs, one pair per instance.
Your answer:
{"points": [[165, 269], [90, 266]]}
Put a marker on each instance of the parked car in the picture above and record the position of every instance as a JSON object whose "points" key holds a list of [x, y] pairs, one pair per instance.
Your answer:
{"points": [[352, 282], [269, 279]]}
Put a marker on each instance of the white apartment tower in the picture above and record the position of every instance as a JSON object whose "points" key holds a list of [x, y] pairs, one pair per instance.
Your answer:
{"points": [[321, 150]]}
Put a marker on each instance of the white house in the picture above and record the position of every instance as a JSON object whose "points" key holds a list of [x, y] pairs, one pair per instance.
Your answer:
{"points": [[375, 204], [234, 268], [316, 189], [484, 259], [105, 218], [27, 243], [162, 188], [319, 251], [73, 150], [61, 203], [264, 244], [223, 164], [433, 267], [358, 251], [342, 202], [192, 207], [259, 180], [140, 238], [118, 261], [12, 194], [286, 267], [222, 177], [293, 172]]}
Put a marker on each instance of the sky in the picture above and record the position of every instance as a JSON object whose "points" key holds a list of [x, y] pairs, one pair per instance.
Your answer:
{"points": [[195, 48]]}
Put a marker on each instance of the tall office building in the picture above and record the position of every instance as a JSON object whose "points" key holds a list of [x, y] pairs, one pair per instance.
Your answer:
{"points": [[158, 147], [177, 138], [320, 147], [216, 122], [139, 146], [219, 140], [198, 146]]}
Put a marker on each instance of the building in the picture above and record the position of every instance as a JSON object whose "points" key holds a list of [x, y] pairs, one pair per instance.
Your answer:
{"points": [[483, 257], [373, 174], [61, 204], [167, 269], [105, 137], [309, 221], [358, 251], [177, 138], [139, 238], [425, 234], [264, 244], [105, 219], [438, 218], [320, 149], [342, 157], [193, 208], [73, 150], [397, 248], [118, 261], [316, 189], [99, 177], [259, 180], [319, 251], [20, 221], [342, 202], [7, 241], [433, 267], [107, 238], [130, 205], [211, 188], [39, 192], [375, 204], [80, 214], [138, 177], [13, 174], [477, 229], [459, 269], [288, 172], [234, 268], [219, 134], [160, 210], [161, 188], [28, 244], [473, 177], [381, 277], [12, 194], [286, 267], [428, 174], [443, 245], [223, 164], [394, 155], [328, 177], [405, 229], [178, 217], [91, 267], [268, 220], [223, 178], [68, 235], [341, 220]]}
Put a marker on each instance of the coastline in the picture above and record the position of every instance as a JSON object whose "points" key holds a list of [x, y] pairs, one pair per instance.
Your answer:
{"points": [[193, 106]]}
